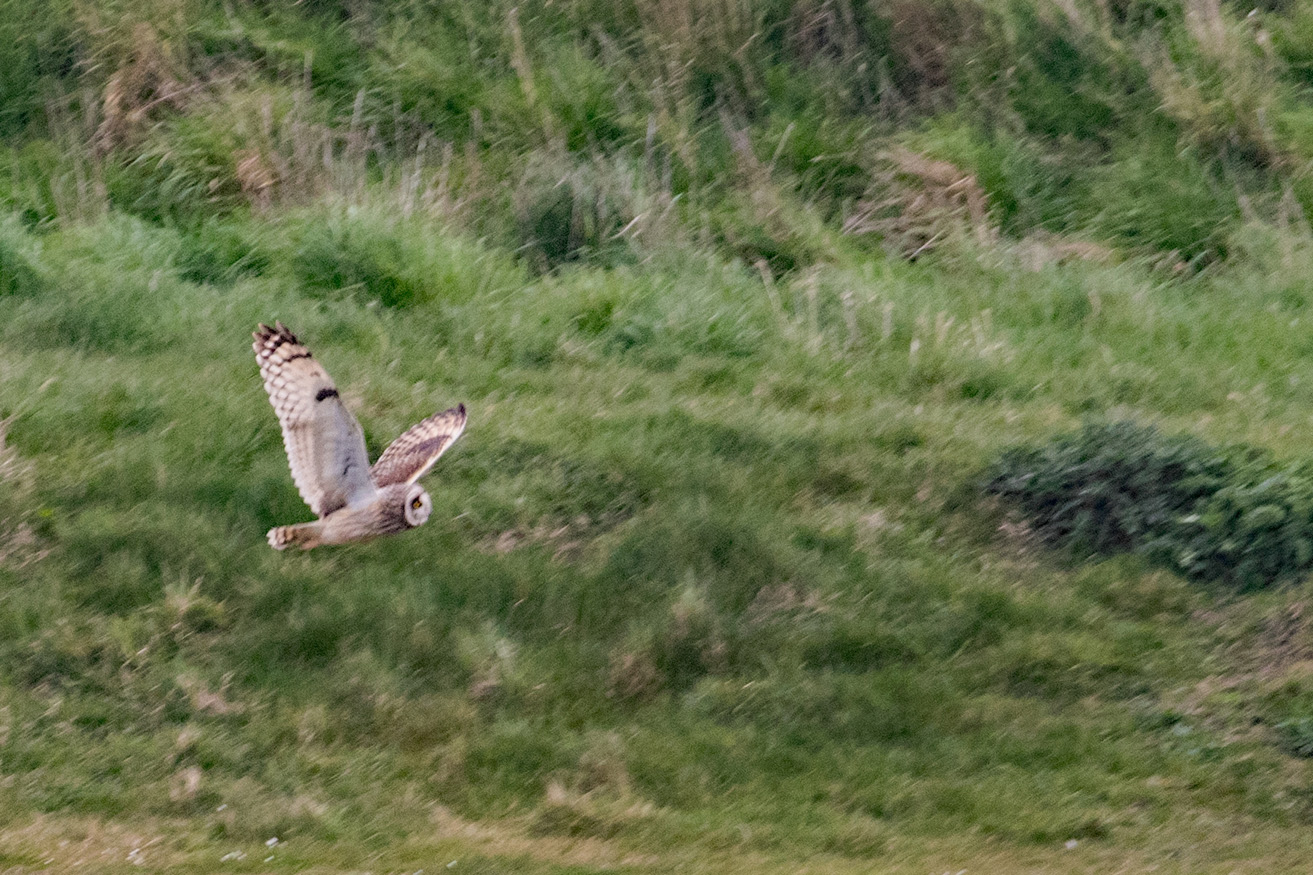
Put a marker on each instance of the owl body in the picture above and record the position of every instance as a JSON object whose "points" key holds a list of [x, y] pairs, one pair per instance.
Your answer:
{"points": [[392, 509], [326, 451]]}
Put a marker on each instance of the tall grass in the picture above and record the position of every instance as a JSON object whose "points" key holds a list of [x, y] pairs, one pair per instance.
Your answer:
{"points": [[739, 296], [694, 566], [597, 118]]}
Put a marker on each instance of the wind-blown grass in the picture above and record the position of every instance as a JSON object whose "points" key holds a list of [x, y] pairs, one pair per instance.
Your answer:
{"points": [[741, 298], [694, 580]]}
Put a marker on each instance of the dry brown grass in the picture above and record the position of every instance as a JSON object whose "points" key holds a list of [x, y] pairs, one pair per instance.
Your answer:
{"points": [[924, 36], [823, 28], [1040, 250], [149, 79], [59, 843], [700, 31], [917, 203], [19, 544], [283, 152], [1229, 97], [633, 675]]}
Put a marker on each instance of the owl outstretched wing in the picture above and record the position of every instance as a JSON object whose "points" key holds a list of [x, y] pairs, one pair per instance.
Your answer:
{"points": [[410, 456], [325, 445]]}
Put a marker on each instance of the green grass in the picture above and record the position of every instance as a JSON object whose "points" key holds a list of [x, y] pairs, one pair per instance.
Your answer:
{"points": [[700, 580], [605, 133], [743, 299]]}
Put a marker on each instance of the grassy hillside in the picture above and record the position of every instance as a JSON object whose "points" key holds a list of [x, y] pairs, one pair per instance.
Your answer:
{"points": [[742, 300]]}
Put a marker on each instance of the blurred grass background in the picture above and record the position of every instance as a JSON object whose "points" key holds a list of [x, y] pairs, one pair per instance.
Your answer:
{"points": [[742, 297]]}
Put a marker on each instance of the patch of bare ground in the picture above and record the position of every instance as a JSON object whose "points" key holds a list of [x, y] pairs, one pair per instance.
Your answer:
{"points": [[564, 540], [48, 843], [567, 541], [1284, 641], [19, 544], [517, 839], [1278, 643], [1195, 844], [1260, 656]]}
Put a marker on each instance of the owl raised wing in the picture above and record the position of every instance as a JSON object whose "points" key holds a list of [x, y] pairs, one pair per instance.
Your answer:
{"points": [[325, 445], [410, 456]]}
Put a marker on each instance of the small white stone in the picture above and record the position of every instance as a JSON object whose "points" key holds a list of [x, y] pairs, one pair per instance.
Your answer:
{"points": [[1071, 844], [271, 842]]}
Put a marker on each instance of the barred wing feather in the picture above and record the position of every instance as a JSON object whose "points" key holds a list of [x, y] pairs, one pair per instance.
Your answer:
{"points": [[325, 445], [410, 456]]}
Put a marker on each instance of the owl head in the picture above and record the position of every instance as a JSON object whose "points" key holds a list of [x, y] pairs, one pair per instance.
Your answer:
{"points": [[418, 505]]}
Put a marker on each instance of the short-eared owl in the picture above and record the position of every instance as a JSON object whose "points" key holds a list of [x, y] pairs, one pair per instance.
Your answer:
{"points": [[326, 450]]}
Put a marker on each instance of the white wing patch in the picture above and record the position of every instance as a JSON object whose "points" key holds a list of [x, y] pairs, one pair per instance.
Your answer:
{"points": [[325, 445]]}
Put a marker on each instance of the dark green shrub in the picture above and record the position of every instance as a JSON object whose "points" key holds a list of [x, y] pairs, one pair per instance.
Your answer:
{"points": [[1257, 529], [1209, 513], [1107, 487]]}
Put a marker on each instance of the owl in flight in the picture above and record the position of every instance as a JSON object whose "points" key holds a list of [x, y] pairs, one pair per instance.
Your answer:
{"points": [[326, 450]]}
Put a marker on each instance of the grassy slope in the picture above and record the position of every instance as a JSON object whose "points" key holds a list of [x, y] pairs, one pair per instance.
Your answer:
{"points": [[701, 589], [691, 588]]}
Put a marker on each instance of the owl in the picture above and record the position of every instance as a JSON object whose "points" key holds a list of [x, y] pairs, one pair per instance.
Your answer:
{"points": [[326, 450]]}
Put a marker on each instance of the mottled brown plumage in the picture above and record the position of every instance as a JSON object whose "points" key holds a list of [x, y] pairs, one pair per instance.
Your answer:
{"points": [[327, 455], [410, 456]]}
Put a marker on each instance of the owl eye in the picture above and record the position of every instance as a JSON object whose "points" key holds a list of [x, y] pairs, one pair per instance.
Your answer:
{"points": [[416, 504]]}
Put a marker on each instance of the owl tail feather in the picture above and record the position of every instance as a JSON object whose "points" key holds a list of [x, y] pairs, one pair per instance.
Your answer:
{"points": [[304, 535]]}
